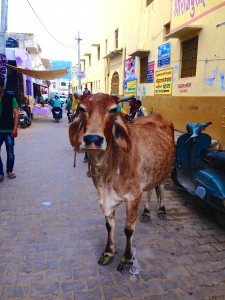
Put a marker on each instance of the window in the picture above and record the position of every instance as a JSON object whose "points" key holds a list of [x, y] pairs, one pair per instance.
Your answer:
{"points": [[99, 53], [166, 29], [143, 69], [115, 83], [148, 2], [116, 38], [106, 46], [189, 58]]}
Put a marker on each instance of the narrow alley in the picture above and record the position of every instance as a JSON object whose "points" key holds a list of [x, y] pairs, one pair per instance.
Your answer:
{"points": [[52, 233]]}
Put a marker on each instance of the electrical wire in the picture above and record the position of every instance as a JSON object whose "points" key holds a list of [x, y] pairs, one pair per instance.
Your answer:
{"points": [[47, 29]]}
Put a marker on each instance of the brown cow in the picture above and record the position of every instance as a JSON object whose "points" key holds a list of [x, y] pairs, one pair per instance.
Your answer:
{"points": [[125, 159]]}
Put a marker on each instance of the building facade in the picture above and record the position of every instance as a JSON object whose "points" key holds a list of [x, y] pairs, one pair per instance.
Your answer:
{"points": [[22, 50], [169, 53]]}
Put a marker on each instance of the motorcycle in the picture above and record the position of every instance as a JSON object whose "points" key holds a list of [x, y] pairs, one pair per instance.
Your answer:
{"points": [[24, 116], [199, 170], [57, 114]]}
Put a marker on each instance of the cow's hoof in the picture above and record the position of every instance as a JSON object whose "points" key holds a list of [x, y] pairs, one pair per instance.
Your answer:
{"points": [[105, 259], [145, 217], [89, 173], [162, 215], [125, 264]]}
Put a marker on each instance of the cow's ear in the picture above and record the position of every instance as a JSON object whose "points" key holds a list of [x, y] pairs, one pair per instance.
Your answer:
{"points": [[121, 134], [76, 132]]}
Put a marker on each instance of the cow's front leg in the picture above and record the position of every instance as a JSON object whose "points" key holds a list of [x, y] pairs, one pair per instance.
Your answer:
{"points": [[108, 254], [127, 259]]}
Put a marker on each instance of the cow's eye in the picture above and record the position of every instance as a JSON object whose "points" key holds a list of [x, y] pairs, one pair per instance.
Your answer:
{"points": [[113, 110], [82, 109]]}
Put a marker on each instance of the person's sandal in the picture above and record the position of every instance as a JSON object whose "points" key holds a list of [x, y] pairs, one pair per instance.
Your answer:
{"points": [[11, 175], [1, 178]]}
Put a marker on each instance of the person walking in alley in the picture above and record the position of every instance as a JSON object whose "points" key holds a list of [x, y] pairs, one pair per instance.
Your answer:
{"points": [[9, 119], [86, 91], [69, 104]]}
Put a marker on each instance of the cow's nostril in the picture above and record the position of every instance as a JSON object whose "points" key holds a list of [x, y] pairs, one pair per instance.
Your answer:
{"points": [[93, 139]]}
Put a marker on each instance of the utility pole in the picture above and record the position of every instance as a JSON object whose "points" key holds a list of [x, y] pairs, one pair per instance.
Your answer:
{"points": [[4, 19], [78, 69]]}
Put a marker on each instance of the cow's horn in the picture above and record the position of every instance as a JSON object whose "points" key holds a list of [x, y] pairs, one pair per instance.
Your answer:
{"points": [[124, 99], [77, 96]]}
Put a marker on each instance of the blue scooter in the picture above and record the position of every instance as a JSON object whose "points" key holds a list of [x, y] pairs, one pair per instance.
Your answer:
{"points": [[199, 170]]}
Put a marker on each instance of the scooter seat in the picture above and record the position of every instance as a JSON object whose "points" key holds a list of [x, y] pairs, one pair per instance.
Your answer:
{"points": [[216, 159]]}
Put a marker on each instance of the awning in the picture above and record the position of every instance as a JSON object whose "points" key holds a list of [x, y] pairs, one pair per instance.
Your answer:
{"points": [[185, 32], [140, 52], [42, 75], [111, 54]]}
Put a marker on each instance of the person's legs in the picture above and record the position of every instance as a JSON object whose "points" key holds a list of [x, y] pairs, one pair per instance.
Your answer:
{"points": [[1, 165], [9, 141], [85, 160]]}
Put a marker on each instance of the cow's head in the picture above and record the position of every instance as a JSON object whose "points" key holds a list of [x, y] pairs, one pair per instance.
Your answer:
{"points": [[101, 123]]}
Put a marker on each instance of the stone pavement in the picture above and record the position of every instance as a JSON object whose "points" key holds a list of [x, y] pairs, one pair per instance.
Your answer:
{"points": [[52, 252]]}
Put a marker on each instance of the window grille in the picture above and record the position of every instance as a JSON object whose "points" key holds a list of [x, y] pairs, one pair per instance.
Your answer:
{"points": [[189, 58]]}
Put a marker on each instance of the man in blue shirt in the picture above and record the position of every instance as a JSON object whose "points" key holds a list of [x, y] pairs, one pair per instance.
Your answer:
{"points": [[56, 106]]}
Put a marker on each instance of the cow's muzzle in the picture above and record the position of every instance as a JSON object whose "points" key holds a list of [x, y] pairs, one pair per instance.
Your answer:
{"points": [[93, 141]]}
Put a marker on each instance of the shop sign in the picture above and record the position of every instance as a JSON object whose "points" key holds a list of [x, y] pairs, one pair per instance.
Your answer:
{"points": [[163, 82], [80, 74], [187, 11], [130, 87], [164, 55], [150, 72], [129, 68]]}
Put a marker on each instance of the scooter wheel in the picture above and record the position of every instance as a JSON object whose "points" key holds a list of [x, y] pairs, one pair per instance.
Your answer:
{"points": [[220, 217], [173, 176]]}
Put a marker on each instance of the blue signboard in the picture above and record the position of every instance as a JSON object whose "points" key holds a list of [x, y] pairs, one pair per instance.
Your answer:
{"points": [[150, 72], [164, 52]]}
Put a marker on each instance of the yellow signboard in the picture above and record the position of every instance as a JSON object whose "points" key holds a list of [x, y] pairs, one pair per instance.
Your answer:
{"points": [[130, 87], [163, 82], [186, 11]]}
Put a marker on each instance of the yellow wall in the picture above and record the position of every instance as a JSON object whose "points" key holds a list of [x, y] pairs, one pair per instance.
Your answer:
{"points": [[195, 99]]}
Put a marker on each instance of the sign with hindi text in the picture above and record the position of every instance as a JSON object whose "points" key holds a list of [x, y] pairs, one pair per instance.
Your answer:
{"points": [[186, 11], [163, 82]]}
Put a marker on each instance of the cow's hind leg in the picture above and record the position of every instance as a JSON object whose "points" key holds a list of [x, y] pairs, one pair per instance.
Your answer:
{"points": [[108, 254], [127, 259], [145, 217], [160, 196]]}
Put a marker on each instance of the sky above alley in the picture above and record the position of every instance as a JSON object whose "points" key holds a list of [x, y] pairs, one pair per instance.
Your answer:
{"points": [[55, 23]]}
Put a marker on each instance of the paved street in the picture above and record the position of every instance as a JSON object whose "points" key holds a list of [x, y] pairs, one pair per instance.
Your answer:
{"points": [[52, 252]]}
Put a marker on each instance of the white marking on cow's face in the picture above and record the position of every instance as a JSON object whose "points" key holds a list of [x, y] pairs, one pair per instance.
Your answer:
{"points": [[96, 119]]}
